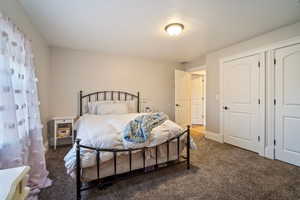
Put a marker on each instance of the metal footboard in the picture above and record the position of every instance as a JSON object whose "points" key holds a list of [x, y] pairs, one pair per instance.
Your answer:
{"points": [[99, 181]]}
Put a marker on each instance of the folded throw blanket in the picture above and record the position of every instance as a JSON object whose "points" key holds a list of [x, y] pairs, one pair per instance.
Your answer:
{"points": [[139, 129]]}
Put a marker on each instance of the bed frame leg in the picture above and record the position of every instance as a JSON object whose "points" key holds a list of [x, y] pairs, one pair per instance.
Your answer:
{"points": [[78, 168], [188, 148]]}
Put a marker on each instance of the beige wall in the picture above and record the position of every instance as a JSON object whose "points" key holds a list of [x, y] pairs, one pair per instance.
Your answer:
{"points": [[200, 61], [72, 71], [15, 12], [212, 64]]}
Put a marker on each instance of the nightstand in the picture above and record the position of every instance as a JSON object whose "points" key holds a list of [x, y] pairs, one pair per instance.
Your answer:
{"points": [[13, 183], [60, 131]]}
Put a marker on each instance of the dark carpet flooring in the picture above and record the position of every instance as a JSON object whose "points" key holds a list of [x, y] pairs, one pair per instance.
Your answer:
{"points": [[219, 171]]}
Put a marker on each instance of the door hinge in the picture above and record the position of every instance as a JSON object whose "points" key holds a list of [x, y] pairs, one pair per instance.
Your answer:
{"points": [[258, 101], [258, 138], [274, 61], [274, 142], [258, 64], [274, 101]]}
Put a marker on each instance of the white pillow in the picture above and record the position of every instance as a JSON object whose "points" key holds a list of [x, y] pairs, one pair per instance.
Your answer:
{"points": [[112, 108], [132, 106], [92, 106]]}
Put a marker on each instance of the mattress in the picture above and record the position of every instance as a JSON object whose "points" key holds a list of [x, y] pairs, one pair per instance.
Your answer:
{"points": [[107, 167]]}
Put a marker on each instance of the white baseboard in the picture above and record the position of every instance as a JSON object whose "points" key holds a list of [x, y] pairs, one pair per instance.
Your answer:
{"points": [[214, 136], [269, 152]]}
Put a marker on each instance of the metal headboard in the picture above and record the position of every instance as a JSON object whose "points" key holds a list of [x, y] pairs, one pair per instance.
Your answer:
{"points": [[108, 96]]}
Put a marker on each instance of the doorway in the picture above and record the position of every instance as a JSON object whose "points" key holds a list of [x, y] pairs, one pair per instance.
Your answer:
{"points": [[190, 99]]}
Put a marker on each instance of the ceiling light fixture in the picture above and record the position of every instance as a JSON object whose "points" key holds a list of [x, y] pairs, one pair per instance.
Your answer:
{"points": [[174, 29]]}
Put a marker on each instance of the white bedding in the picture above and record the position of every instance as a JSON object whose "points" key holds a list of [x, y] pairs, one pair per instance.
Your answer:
{"points": [[105, 131]]}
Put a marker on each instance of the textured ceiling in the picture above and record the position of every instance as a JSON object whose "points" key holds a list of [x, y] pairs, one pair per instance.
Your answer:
{"points": [[136, 27]]}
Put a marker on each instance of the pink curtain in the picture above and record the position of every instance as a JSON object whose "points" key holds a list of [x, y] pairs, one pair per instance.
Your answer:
{"points": [[21, 140]]}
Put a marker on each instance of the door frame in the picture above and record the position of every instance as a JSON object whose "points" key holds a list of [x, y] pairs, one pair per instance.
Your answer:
{"points": [[267, 92]]}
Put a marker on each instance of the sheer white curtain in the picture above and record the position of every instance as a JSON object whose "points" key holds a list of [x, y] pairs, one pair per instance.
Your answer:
{"points": [[21, 141]]}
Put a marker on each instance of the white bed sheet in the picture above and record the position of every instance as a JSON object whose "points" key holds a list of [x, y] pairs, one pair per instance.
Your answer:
{"points": [[122, 164], [105, 131]]}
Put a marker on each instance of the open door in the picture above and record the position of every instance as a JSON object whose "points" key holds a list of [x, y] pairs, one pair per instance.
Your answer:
{"points": [[182, 97]]}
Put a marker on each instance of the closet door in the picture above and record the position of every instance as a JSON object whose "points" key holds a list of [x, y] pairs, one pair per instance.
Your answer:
{"points": [[241, 102], [287, 109]]}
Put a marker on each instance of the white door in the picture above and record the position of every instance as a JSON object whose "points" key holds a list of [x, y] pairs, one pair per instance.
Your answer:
{"points": [[287, 108], [182, 97], [240, 102], [197, 99]]}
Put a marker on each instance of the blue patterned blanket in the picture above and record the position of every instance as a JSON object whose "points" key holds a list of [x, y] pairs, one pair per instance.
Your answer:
{"points": [[139, 129]]}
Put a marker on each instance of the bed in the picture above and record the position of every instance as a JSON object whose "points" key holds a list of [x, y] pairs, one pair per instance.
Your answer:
{"points": [[98, 164]]}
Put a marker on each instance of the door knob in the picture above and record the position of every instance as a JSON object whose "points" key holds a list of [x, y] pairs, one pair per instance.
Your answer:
{"points": [[226, 108], [177, 105]]}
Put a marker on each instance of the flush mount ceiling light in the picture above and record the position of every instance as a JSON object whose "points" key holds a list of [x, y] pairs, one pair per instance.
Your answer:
{"points": [[174, 29]]}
